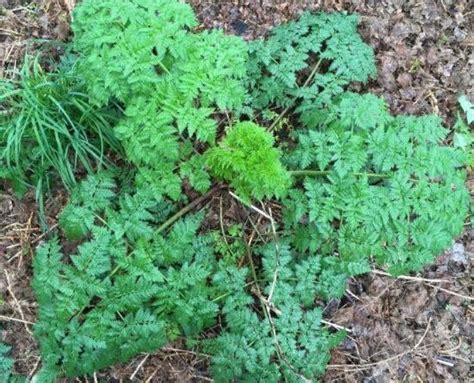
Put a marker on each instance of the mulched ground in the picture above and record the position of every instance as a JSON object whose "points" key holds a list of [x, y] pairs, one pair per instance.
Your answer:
{"points": [[410, 330]]}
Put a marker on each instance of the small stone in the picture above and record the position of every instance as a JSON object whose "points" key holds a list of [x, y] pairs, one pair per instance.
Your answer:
{"points": [[404, 80], [457, 255], [459, 34], [239, 26]]}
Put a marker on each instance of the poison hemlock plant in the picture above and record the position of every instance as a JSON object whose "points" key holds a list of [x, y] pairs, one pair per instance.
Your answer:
{"points": [[49, 128], [170, 80], [376, 185], [366, 185], [248, 160]]}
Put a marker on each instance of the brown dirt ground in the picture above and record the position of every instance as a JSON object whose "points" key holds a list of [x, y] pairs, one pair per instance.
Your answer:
{"points": [[401, 330]]}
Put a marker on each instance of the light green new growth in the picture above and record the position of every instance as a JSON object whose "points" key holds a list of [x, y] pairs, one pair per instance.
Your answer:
{"points": [[247, 159]]}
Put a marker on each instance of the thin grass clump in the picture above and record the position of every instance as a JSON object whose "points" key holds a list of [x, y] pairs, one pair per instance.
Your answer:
{"points": [[48, 129]]}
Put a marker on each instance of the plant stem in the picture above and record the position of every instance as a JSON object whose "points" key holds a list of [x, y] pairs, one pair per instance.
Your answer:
{"points": [[162, 66], [303, 173], [188, 208]]}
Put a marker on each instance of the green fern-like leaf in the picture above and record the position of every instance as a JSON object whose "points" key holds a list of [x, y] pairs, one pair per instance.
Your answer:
{"points": [[6, 366], [122, 44], [128, 288], [379, 185], [90, 198], [288, 342], [297, 50]]}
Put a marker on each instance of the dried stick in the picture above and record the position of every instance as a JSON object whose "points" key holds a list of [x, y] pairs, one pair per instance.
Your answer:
{"points": [[451, 292], [139, 366], [10, 290], [409, 278]]}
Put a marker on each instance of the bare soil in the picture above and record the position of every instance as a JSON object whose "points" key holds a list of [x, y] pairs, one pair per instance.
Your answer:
{"points": [[414, 329]]}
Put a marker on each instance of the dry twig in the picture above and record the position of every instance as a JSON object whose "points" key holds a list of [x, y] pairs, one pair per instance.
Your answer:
{"points": [[451, 292], [139, 366], [256, 209], [7, 318], [17, 303], [409, 278]]}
